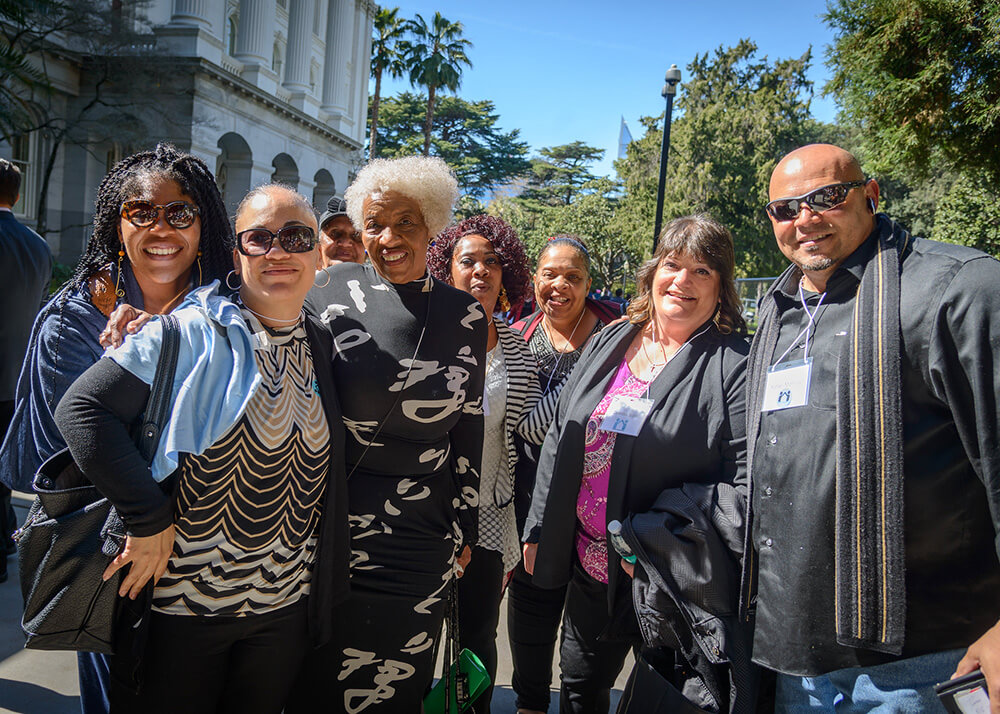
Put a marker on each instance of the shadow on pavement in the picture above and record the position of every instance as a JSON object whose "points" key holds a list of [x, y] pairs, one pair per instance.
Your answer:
{"points": [[29, 698]]}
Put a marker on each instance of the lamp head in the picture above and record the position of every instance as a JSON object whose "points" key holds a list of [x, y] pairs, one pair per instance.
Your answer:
{"points": [[672, 78]]}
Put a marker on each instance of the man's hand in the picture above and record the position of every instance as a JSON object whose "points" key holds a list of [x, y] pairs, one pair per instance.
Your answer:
{"points": [[530, 549], [984, 654], [125, 320], [148, 556]]}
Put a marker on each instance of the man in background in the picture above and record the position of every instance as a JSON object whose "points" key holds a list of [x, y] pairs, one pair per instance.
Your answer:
{"points": [[25, 270], [339, 242]]}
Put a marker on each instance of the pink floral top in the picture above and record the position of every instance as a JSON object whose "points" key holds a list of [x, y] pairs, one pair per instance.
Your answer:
{"points": [[592, 503]]}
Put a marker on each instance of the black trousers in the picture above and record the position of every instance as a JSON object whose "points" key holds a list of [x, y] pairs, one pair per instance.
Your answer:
{"points": [[533, 616], [589, 660], [479, 595], [8, 521], [218, 665]]}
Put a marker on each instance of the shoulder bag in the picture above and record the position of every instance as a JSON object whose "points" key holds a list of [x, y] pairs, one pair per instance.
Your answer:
{"points": [[72, 533]]}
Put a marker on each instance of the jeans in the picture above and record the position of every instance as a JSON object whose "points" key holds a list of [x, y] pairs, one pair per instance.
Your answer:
{"points": [[902, 687], [533, 615], [479, 594], [219, 665], [589, 660]]}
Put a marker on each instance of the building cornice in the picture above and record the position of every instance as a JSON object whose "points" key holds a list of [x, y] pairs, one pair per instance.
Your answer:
{"points": [[258, 95]]}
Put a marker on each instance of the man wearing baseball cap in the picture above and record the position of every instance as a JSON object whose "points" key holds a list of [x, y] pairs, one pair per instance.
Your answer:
{"points": [[339, 242]]}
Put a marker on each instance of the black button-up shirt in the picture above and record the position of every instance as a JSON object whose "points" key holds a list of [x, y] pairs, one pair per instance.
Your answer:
{"points": [[950, 321]]}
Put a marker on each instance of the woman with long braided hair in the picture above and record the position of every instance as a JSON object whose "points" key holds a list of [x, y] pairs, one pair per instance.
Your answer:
{"points": [[160, 229]]}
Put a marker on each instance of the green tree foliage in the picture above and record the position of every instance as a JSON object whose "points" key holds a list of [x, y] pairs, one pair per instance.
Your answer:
{"points": [[560, 173], [920, 78], [969, 214], [115, 49], [387, 57], [465, 134], [435, 57], [737, 114]]}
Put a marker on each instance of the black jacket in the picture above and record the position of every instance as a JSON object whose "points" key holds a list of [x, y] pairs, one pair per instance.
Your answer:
{"points": [[685, 592], [694, 434]]}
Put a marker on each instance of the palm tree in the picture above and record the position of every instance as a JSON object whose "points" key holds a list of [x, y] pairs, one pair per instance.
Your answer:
{"points": [[435, 57], [387, 56]]}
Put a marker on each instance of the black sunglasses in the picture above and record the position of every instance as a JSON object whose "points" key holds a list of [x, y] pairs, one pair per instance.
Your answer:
{"points": [[822, 199], [142, 214], [258, 241]]}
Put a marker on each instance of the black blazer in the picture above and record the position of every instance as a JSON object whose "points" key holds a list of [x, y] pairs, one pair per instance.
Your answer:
{"points": [[695, 433]]}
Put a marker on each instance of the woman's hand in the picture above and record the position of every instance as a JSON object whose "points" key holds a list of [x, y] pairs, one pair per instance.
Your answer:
{"points": [[148, 556], [530, 549], [628, 567], [124, 320], [462, 561]]}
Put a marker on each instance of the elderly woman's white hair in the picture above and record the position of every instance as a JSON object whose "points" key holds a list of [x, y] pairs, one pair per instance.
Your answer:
{"points": [[425, 179]]}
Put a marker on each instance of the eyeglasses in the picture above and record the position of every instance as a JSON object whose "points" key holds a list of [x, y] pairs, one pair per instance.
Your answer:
{"points": [[142, 214], [258, 241], [822, 199]]}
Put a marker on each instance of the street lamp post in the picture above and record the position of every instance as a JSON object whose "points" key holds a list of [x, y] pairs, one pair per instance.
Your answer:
{"points": [[673, 78]]}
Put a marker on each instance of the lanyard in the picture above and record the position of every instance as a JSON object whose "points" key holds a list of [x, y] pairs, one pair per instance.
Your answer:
{"points": [[807, 329]]}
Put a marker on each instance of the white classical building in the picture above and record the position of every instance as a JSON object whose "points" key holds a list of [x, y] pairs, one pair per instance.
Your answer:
{"points": [[264, 90]]}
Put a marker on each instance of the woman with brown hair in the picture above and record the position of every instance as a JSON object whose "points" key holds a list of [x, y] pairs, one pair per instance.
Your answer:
{"points": [[655, 403]]}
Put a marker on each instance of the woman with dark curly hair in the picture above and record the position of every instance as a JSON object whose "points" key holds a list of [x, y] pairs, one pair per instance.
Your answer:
{"points": [[655, 406], [483, 256], [160, 229]]}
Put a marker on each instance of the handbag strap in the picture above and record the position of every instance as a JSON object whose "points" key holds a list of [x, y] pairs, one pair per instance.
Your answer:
{"points": [[158, 407], [452, 655]]}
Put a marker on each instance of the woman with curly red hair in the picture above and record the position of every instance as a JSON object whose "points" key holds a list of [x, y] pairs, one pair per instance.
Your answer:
{"points": [[483, 256]]}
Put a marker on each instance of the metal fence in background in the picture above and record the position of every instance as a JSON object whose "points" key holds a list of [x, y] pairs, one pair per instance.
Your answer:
{"points": [[750, 291]]}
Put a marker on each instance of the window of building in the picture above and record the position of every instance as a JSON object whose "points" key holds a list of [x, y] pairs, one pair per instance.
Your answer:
{"points": [[231, 35], [23, 147]]}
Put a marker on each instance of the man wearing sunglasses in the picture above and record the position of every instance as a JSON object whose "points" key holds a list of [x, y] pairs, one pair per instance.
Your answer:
{"points": [[874, 450]]}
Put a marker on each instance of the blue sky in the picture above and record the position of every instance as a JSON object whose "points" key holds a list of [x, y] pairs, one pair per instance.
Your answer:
{"points": [[562, 71]]}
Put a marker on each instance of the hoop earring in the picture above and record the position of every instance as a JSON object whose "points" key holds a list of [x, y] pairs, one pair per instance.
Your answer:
{"points": [[119, 290], [229, 285], [327, 279], [504, 302]]}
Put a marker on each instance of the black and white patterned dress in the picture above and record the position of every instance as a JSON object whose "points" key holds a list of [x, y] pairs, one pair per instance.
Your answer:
{"points": [[414, 424]]}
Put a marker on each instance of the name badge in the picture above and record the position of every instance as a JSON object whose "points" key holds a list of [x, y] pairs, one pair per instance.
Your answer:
{"points": [[787, 385], [625, 415]]}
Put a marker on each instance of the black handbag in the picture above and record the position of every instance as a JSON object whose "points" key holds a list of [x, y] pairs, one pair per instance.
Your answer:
{"points": [[649, 692], [72, 533]]}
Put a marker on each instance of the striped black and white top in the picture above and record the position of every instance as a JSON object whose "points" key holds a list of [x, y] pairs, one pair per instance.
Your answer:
{"points": [[248, 508]]}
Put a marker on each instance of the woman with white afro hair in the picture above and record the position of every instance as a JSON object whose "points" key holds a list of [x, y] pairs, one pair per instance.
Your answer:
{"points": [[409, 367]]}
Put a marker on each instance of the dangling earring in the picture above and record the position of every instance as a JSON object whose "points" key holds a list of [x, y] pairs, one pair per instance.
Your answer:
{"points": [[504, 302], [200, 276], [119, 290], [229, 285], [324, 284]]}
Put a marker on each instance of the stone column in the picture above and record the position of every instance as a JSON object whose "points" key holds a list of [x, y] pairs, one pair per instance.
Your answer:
{"points": [[362, 68], [194, 13], [339, 47], [300, 21], [255, 32]]}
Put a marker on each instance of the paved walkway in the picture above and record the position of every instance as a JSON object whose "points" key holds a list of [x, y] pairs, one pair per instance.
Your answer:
{"points": [[35, 682]]}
